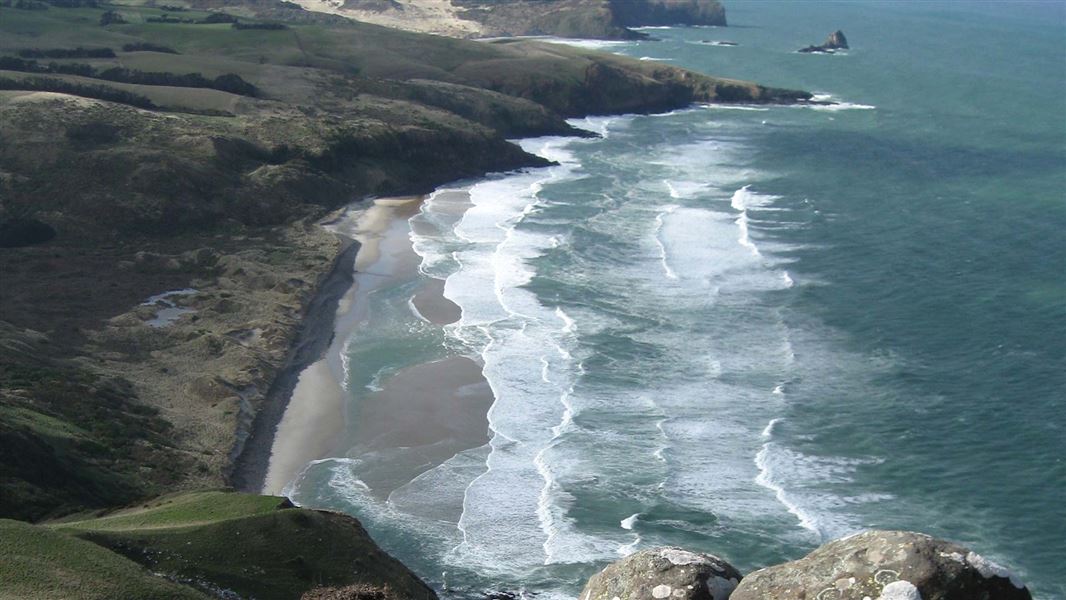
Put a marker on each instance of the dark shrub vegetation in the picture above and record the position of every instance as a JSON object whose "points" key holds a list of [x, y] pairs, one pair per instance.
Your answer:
{"points": [[78, 52], [148, 47], [99, 92]]}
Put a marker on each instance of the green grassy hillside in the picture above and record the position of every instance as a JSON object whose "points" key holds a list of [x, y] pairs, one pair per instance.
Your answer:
{"points": [[256, 546], [41, 564], [195, 546]]}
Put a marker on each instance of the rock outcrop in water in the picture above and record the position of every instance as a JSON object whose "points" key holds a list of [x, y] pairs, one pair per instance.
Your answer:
{"points": [[875, 565], [664, 573], [835, 41]]}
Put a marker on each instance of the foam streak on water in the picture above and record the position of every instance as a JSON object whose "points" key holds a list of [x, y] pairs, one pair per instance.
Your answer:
{"points": [[523, 345]]}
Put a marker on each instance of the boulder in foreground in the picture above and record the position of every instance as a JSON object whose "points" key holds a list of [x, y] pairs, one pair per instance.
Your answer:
{"points": [[885, 565], [662, 573]]}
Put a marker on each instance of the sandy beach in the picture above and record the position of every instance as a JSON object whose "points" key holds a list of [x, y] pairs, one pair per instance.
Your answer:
{"points": [[421, 415]]}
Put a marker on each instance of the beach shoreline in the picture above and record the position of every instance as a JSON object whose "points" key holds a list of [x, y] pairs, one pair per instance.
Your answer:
{"points": [[250, 456], [312, 419]]}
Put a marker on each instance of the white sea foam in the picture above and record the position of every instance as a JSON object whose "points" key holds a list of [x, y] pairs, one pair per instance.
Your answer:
{"points": [[764, 462], [414, 310], [743, 200], [506, 522], [716, 106], [837, 104], [768, 431], [568, 324], [602, 125], [799, 482], [655, 58], [631, 547], [841, 106], [587, 44], [670, 274]]}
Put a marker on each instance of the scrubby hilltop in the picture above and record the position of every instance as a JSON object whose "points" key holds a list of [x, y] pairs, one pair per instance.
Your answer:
{"points": [[600, 19]]}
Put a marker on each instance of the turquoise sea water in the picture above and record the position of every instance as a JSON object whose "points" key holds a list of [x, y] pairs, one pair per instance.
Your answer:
{"points": [[751, 330]]}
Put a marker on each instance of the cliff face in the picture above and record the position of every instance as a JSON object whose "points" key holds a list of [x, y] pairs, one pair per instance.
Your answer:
{"points": [[668, 12]]}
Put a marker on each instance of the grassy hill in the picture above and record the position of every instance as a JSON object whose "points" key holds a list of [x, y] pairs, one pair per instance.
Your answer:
{"points": [[196, 546]]}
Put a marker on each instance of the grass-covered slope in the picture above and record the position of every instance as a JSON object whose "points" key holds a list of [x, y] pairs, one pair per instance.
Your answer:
{"points": [[37, 563], [196, 546], [256, 546]]}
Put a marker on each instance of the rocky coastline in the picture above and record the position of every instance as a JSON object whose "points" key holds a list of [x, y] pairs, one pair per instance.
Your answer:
{"points": [[151, 345]]}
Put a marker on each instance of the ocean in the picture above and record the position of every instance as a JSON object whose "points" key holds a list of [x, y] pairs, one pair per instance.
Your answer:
{"points": [[749, 330]]}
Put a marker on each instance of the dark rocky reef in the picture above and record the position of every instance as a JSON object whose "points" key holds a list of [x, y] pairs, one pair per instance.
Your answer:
{"points": [[874, 565], [835, 41]]}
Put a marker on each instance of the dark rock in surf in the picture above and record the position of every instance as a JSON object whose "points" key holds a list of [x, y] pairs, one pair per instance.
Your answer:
{"points": [[885, 565], [662, 573], [835, 41]]}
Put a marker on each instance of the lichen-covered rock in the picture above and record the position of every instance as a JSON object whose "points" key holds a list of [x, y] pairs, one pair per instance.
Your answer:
{"points": [[885, 565], [663, 573]]}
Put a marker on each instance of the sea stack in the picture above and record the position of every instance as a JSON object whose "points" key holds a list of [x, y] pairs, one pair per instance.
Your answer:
{"points": [[835, 41]]}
